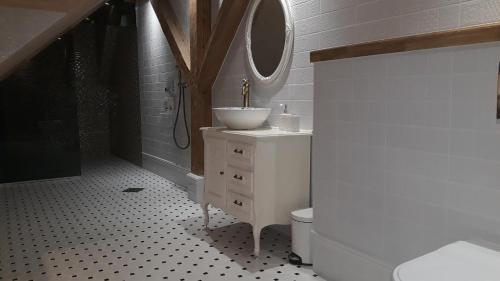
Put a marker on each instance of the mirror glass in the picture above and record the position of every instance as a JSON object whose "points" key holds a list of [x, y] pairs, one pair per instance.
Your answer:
{"points": [[268, 36]]}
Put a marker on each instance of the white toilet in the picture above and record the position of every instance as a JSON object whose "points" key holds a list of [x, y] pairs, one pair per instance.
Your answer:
{"points": [[459, 261]]}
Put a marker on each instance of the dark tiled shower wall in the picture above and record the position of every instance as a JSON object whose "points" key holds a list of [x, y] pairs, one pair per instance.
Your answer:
{"points": [[38, 118], [121, 53], [106, 84], [91, 90], [78, 98]]}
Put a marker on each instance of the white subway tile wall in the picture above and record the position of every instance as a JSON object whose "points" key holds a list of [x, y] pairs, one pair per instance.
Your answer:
{"points": [[157, 71], [406, 153], [328, 23]]}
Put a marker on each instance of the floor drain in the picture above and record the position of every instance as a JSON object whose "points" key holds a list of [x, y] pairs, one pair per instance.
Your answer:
{"points": [[133, 189]]}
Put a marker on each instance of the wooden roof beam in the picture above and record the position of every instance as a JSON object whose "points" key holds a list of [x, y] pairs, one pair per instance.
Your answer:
{"points": [[201, 98], [179, 43], [226, 25]]}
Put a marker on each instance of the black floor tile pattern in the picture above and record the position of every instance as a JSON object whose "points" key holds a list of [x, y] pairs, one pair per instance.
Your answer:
{"points": [[86, 228]]}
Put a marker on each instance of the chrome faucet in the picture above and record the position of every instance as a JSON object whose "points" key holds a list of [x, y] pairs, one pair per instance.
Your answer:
{"points": [[245, 92]]}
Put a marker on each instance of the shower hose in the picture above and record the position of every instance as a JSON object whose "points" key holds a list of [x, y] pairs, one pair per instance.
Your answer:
{"points": [[182, 101]]}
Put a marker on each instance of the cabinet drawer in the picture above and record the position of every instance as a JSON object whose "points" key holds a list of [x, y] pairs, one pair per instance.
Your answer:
{"points": [[239, 206], [240, 152], [239, 180]]}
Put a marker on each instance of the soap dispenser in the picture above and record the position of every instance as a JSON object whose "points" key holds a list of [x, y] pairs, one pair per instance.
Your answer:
{"points": [[288, 122]]}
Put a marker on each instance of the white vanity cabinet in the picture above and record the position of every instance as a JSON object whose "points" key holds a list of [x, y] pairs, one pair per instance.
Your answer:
{"points": [[257, 176]]}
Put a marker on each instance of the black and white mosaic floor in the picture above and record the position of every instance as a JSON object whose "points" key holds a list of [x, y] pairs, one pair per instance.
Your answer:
{"points": [[86, 228]]}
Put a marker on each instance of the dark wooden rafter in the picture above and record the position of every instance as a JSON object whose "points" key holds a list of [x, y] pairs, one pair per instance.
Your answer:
{"points": [[226, 25], [201, 98], [200, 29], [179, 43], [201, 57], [210, 59]]}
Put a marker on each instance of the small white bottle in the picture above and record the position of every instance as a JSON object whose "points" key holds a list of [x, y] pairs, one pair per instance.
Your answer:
{"points": [[288, 122]]}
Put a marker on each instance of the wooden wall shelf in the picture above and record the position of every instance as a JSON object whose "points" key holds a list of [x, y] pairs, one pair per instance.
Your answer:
{"points": [[441, 39]]}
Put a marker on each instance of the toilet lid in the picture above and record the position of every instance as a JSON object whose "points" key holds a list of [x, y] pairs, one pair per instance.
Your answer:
{"points": [[304, 215], [460, 261]]}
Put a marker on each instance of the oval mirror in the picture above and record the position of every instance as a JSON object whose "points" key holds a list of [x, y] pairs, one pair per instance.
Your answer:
{"points": [[269, 40]]}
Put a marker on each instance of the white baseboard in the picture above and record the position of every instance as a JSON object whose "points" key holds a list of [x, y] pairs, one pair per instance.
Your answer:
{"points": [[336, 261], [168, 170], [196, 192]]}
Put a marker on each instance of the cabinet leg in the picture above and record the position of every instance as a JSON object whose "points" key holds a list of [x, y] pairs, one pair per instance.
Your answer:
{"points": [[256, 240], [204, 207]]}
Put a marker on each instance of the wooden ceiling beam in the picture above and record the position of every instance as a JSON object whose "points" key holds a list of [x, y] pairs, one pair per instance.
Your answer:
{"points": [[201, 57], [226, 25], [210, 52], [179, 43], [200, 30], [201, 98]]}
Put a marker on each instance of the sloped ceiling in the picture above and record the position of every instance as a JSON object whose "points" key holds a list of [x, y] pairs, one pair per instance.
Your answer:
{"points": [[28, 26]]}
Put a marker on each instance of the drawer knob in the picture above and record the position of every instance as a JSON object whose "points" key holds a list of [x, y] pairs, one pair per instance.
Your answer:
{"points": [[239, 203], [239, 151], [238, 177], [221, 172]]}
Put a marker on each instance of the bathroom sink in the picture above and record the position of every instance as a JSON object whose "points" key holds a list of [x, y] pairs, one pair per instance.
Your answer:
{"points": [[242, 118]]}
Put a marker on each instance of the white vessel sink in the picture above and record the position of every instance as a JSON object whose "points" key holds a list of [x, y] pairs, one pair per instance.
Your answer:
{"points": [[240, 118]]}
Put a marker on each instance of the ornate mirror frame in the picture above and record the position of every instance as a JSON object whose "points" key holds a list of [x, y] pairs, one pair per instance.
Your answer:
{"points": [[257, 78]]}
